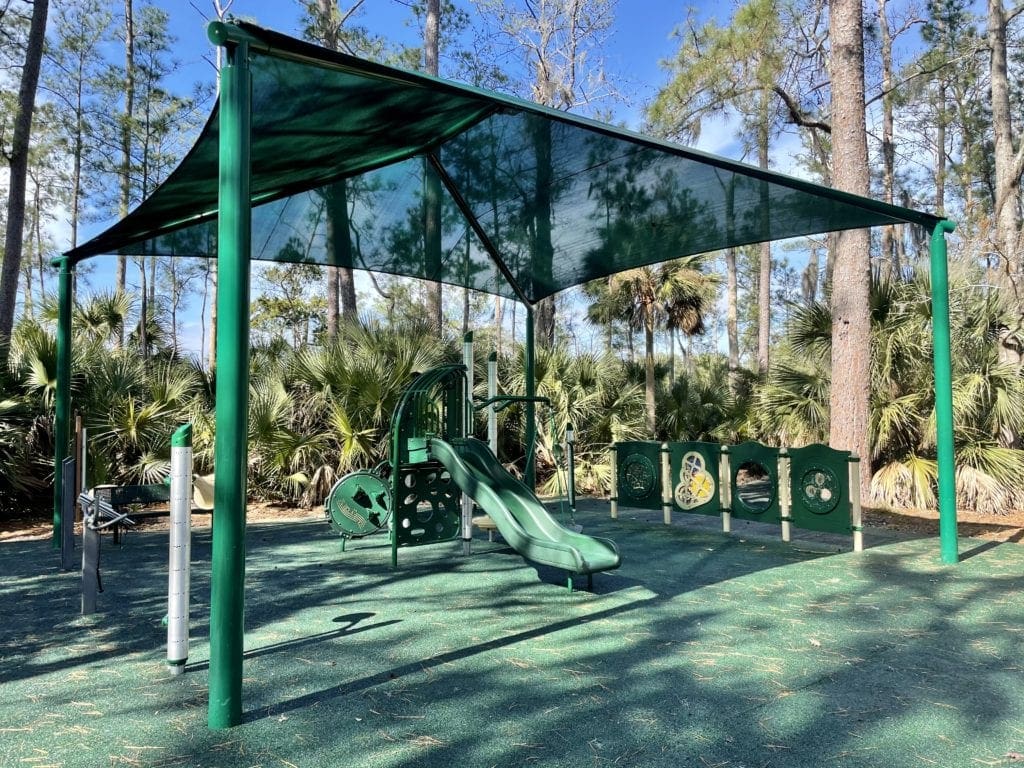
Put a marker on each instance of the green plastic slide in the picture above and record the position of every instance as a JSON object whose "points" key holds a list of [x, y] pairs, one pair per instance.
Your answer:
{"points": [[522, 520]]}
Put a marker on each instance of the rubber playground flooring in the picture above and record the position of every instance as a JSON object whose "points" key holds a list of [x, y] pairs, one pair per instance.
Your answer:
{"points": [[704, 649]]}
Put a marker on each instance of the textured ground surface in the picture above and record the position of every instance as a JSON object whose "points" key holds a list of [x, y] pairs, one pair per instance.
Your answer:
{"points": [[704, 649]]}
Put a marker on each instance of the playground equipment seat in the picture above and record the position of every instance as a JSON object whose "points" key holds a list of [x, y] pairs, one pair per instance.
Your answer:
{"points": [[202, 492], [485, 523]]}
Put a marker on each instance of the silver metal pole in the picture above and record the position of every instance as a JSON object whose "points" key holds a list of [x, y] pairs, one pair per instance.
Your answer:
{"points": [[785, 495], [467, 502], [666, 485], [67, 502], [492, 409], [180, 577]]}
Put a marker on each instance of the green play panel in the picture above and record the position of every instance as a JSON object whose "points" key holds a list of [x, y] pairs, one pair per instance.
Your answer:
{"points": [[702, 649]]}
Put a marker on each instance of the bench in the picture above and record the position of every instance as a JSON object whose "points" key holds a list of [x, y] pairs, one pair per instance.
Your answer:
{"points": [[485, 523]]}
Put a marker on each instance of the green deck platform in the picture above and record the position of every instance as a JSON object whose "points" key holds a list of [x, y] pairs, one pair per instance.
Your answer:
{"points": [[702, 649]]}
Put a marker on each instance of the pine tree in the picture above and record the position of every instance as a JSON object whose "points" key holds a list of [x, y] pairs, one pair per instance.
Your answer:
{"points": [[17, 156], [851, 322]]}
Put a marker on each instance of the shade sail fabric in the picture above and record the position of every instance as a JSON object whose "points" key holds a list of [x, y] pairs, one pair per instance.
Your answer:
{"points": [[348, 157]]}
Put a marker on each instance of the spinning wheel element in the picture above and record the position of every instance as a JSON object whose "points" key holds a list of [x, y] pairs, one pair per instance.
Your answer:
{"points": [[359, 504]]}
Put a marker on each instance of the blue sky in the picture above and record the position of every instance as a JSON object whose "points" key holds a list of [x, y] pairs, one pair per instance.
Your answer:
{"points": [[640, 39]]}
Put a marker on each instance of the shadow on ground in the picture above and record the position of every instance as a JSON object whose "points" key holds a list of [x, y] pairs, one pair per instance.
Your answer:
{"points": [[703, 649]]}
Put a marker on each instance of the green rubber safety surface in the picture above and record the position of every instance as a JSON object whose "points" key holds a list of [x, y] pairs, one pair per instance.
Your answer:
{"points": [[702, 649]]}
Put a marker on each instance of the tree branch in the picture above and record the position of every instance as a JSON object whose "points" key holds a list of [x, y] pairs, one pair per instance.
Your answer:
{"points": [[796, 114], [920, 73]]}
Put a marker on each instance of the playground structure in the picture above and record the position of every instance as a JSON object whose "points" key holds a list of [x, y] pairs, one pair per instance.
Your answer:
{"points": [[422, 494], [814, 488]]}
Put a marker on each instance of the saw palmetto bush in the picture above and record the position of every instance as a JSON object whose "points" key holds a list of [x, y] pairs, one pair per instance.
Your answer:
{"points": [[323, 411], [594, 393], [129, 406], [988, 393], [26, 446], [698, 405]]}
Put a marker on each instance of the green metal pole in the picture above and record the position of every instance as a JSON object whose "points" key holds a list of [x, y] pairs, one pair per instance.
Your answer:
{"points": [[943, 393], [62, 400], [234, 231], [529, 475]]}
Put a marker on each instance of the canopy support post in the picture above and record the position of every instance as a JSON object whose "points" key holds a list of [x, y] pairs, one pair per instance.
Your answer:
{"points": [[62, 398], [234, 233], [943, 394]]}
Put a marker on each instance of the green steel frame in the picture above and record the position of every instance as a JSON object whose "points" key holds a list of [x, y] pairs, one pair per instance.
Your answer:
{"points": [[62, 400], [943, 394], [234, 233], [227, 598]]}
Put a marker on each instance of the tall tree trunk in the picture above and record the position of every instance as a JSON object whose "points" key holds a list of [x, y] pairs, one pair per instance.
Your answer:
{"points": [[809, 281], [940, 151], [890, 264], [851, 323], [202, 313], [175, 298], [431, 56], [37, 233], [672, 354], [341, 291], [347, 290], [543, 248], [36, 240], [221, 10], [336, 230], [432, 246], [17, 160], [1008, 167], [764, 283], [77, 148], [649, 386], [127, 119], [28, 310], [211, 353], [731, 323], [499, 322], [465, 291], [143, 310]]}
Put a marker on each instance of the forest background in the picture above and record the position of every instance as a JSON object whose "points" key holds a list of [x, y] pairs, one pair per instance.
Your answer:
{"points": [[913, 103]]}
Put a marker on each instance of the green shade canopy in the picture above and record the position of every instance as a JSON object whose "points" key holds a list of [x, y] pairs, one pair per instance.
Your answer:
{"points": [[533, 200]]}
